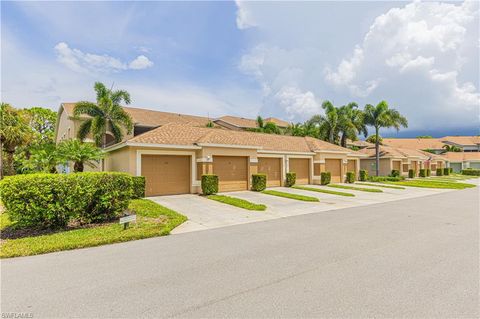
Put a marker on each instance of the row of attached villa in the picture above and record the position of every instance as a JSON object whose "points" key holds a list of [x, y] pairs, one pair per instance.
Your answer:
{"points": [[174, 150]]}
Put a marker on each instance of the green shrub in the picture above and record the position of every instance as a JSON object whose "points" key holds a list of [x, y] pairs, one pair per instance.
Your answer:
{"points": [[363, 175], [385, 178], [291, 179], [395, 173], [429, 172], [54, 200], [423, 172], [450, 170], [439, 172], [259, 182], [446, 171], [471, 171], [351, 177], [411, 173], [138, 186], [325, 178], [209, 184]]}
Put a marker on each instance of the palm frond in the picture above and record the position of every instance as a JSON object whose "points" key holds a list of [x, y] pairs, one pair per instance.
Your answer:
{"points": [[84, 129], [88, 108]]}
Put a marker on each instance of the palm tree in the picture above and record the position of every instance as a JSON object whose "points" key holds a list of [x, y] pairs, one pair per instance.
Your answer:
{"points": [[268, 127], [295, 130], [42, 159], [327, 124], [382, 116], [80, 154], [373, 138], [351, 123], [14, 132], [451, 148], [105, 115]]}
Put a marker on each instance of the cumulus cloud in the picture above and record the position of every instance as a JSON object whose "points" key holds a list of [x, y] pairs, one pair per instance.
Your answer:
{"points": [[244, 16], [83, 62], [297, 102]]}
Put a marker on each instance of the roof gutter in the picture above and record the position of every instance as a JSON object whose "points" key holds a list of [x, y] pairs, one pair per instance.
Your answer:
{"points": [[154, 145], [229, 146]]}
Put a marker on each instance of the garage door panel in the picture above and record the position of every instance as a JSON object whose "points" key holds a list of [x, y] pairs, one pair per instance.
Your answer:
{"points": [[272, 168], [475, 165], [301, 167], [396, 165], [232, 172], [351, 166], [334, 166], [166, 174]]}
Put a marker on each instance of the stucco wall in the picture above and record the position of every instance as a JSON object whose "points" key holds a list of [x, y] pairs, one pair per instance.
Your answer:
{"points": [[369, 165]]}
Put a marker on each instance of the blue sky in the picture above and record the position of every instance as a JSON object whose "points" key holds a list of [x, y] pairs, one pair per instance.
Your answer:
{"points": [[248, 58]]}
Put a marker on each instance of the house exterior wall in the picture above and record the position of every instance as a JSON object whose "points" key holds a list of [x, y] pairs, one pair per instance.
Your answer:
{"points": [[369, 165]]}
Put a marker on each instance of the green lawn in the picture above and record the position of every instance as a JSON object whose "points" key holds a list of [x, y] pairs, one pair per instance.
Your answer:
{"points": [[432, 184], [326, 191], [237, 202], [362, 189], [152, 220], [291, 196], [379, 185]]}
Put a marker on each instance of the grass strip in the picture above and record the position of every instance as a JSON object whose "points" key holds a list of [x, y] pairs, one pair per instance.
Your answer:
{"points": [[379, 185], [362, 189], [291, 196], [152, 220], [326, 191], [431, 184], [237, 202]]}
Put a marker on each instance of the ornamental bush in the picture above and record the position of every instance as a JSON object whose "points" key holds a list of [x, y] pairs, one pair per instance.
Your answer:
{"points": [[325, 178], [259, 182], [395, 173], [54, 200], [291, 179], [439, 172], [209, 184], [428, 172], [363, 175], [471, 171], [351, 177], [385, 178], [423, 172], [446, 171], [138, 186], [450, 170]]}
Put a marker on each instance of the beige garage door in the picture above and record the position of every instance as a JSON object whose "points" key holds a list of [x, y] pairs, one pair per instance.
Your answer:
{"points": [[334, 166], [272, 168], [301, 166], [351, 166], [166, 174], [396, 165], [232, 172]]}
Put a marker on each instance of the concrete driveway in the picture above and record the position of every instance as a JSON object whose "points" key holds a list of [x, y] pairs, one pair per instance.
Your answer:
{"points": [[205, 214]]}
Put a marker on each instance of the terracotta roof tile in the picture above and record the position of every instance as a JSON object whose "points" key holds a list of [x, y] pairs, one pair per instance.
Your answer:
{"points": [[414, 143], [462, 140], [461, 156]]}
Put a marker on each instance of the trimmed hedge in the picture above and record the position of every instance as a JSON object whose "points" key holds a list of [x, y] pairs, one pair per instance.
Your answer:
{"points": [[325, 178], [471, 171], [450, 170], [54, 200], [446, 171], [423, 172], [209, 184], [138, 186], [395, 173], [429, 172], [351, 177], [439, 172], [385, 179], [363, 175], [411, 173], [259, 182], [291, 179]]}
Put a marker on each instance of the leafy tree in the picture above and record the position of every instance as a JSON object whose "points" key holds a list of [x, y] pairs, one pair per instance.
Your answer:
{"points": [[105, 116], [42, 159], [295, 130], [42, 121], [350, 123], [14, 132], [373, 139], [79, 153], [209, 124], [451, 148], [381, 116], [424, 136], [266, 127]]}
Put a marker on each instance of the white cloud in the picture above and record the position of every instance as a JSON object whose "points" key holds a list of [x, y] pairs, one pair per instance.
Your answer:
{"points": [[245, 19], [82, 62], [297, 102]]}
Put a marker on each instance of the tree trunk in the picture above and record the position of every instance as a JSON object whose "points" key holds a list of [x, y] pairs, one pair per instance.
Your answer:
{"points": [[9, 169], [377, 152], [1, 159], [78, 167], [343, 141]]}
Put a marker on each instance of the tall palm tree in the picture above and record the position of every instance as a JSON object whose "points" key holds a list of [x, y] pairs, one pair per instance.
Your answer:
{"points": [[351, 123], [451, 148], [105, 115], [327, 124], [382, 116], [295, 129], [79, 153], [14, 132]]}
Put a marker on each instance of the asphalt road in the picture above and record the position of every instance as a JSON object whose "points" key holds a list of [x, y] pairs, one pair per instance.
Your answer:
{"points": [[411, 258]]}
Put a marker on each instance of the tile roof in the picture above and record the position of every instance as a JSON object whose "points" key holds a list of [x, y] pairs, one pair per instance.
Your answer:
{"points": [[151, 117], [250, 123], [177, 134], [388, 151], [279, 122], [461, 156], [414, 143], [462, 140], [359, 143]]}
